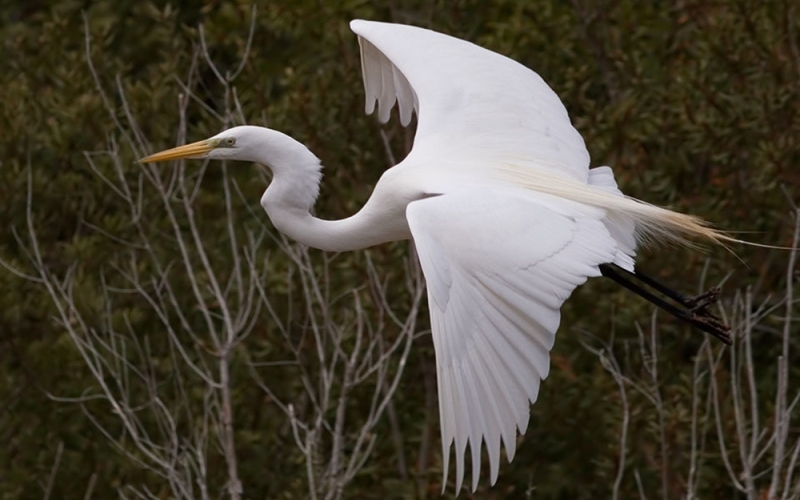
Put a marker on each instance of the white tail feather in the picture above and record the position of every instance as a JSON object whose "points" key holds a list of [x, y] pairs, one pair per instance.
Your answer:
{"points": [[652, 222]]}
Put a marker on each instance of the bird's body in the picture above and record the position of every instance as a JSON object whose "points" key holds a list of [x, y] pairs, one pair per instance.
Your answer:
{"points": [[500, 202]]}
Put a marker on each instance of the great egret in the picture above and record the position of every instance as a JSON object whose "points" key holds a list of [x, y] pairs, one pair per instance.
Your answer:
{"points": [[505, 213]]}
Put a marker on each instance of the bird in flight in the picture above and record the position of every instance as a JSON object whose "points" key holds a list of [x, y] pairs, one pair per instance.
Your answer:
{"points": [[506, 215]]}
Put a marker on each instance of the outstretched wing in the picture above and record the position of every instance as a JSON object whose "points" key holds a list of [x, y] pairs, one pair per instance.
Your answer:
{"points": [[467, 96], [498, 266]]}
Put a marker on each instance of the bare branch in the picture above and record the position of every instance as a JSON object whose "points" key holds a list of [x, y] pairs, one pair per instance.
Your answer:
{"points": [[53, 471]]}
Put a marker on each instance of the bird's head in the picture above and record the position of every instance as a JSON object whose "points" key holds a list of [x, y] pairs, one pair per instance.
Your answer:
{"points": [[246, 143]]}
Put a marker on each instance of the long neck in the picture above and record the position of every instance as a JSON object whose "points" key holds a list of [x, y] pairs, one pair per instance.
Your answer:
{"points": [[292, 193]]}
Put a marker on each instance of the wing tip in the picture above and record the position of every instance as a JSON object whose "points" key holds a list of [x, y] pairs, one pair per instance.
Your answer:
{"points": [[356, 25], [361, 26]]}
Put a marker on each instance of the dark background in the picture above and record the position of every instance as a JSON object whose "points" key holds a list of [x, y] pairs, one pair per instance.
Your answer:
{"points": [[694, 103]]}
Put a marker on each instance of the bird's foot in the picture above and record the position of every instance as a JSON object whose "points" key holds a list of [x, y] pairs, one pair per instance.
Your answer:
{"points": [[698, 310], [700, 303], [715, 327]]}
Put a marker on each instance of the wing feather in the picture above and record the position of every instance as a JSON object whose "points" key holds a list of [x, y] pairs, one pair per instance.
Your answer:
{"points": [[388, 95], [370, 73], [460, 90], [499, 261], [621, 227], [496, 284]]}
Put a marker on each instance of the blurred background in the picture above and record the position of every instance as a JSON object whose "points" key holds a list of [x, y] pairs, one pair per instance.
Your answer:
{"points": [[158, 339]]}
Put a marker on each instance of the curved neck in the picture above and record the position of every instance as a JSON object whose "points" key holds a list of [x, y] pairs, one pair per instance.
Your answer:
{"points": [[352, 233], [294, 190]]}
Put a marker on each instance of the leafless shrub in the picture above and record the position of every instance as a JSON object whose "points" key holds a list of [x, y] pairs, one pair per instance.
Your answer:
{"points": [[163, 395], [758, 449]]}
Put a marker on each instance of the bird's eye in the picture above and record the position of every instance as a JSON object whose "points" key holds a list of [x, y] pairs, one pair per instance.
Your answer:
{"points": [[230, 141]]}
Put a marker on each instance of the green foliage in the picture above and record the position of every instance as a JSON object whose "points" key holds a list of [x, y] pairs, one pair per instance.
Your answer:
{"points": [[694, 104]]}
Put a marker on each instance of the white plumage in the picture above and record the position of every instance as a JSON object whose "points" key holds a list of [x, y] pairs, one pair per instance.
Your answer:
{"points": [[467, 96], [499, 199], [494, 305]]}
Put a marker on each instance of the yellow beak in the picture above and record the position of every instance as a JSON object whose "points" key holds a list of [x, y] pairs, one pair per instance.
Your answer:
{"points": [[193, 150]]}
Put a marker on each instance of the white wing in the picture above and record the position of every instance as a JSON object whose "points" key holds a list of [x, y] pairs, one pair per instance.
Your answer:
{"points": [[467, 96], [498, 260], [498, 266]]}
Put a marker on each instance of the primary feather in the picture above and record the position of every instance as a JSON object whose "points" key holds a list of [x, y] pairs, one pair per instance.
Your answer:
{"points": [[495, 319]]}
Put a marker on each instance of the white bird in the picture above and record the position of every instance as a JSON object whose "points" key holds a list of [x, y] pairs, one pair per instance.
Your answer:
{"points": [[498, 197]]}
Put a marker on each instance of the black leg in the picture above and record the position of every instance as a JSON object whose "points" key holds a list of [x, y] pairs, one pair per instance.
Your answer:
{"points": [[693, 310], [695, 303]]}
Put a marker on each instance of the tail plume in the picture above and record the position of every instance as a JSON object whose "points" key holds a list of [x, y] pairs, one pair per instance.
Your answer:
{"points": [[662, 224], [652, 223]]}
